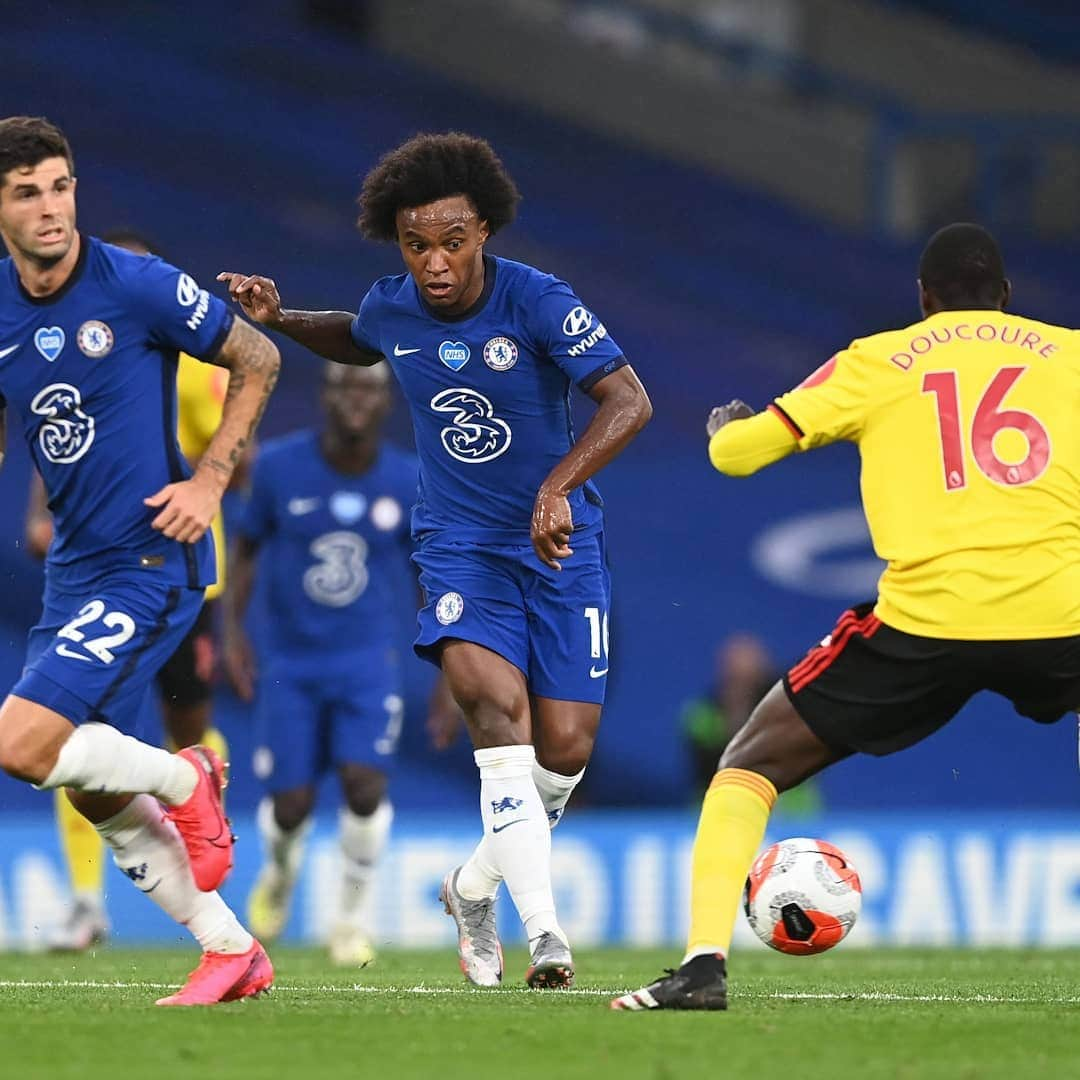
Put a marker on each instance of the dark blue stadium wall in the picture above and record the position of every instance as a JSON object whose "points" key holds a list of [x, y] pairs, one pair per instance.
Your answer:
{"points": [[245, 152]]}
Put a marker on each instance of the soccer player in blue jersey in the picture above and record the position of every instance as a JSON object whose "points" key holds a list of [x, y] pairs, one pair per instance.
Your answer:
{"points": [[325, 524], [509, 524], [89, 336]]}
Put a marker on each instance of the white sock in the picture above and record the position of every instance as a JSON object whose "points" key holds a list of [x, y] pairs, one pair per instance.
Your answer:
{"points": [[555, 790], [99, 759], [516, 833], [148, 849], [479, 878], [284, 850], [362, 842]]}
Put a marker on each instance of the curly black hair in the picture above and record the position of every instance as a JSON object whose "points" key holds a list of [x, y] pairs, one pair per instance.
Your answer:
{"points": [[26, 141], [430, 167]]}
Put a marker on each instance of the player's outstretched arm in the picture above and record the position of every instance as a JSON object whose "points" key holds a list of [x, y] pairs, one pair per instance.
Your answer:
{"points": [[240, 663], [187, 508], [741, 441], [624, 409], [325, 333]]}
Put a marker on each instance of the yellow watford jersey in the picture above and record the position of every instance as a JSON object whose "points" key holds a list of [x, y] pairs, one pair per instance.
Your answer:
{"points": [[968, 425], [200, 394]]}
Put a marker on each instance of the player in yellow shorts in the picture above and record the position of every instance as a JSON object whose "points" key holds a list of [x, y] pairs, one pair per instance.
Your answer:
{"points": [[183, 681], [968, 426]]}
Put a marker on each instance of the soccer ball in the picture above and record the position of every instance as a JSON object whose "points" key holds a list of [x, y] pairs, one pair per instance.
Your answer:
{"points": [[802, 896]]}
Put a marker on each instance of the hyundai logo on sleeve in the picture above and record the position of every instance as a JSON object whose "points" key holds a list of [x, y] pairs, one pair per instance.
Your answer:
{"points": [[577, 321]]}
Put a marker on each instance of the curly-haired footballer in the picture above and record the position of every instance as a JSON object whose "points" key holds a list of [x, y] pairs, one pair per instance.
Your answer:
{"points": [[516, 616]]}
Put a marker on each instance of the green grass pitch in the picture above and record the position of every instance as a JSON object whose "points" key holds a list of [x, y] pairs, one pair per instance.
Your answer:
{"points": [[867, 1014]]}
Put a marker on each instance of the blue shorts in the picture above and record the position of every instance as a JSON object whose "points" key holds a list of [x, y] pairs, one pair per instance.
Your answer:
{"points": [[308, 724], [552, 625], [94, 653]]}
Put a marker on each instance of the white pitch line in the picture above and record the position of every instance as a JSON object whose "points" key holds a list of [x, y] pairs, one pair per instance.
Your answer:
{"points": [[881, 995], [464, 991]]}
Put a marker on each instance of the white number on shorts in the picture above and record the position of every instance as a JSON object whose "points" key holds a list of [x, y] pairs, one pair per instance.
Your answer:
{"points": [[102, 645], [387, 742], [598, 634]]}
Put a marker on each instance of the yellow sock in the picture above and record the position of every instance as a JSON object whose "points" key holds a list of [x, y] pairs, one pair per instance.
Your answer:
{"points": [[732, 825], [217, 742], [82, 848]]}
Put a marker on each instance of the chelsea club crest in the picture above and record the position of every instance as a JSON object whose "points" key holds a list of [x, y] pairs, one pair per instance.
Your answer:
{"points": [[449, 608], [500, 354], [95, 339]]}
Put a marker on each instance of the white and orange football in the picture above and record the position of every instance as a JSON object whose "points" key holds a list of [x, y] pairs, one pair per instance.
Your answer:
{"points": [[802, 896]]}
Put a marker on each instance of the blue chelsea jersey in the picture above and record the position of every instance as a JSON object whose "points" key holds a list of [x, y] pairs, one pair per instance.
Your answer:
{"points": [[489, 395], [91, 370], [328, 544]]}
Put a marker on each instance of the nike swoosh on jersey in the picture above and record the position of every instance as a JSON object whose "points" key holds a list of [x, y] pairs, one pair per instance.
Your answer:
{"points": [[63, 650], [594, 674], [499, 828], [399, 351], [297, 507], [8, 351]]}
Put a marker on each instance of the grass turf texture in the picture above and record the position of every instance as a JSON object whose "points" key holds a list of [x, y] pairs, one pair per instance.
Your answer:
{"points": [[898, 1014]]}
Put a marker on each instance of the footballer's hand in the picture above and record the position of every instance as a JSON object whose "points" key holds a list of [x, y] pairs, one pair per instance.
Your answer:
{"points": [[552, 525], [722, 415], [257, 296], [239, 660], [185, 509]]}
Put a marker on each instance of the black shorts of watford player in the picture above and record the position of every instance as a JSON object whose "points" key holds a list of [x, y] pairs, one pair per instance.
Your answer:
{"points": [[967, 431]]}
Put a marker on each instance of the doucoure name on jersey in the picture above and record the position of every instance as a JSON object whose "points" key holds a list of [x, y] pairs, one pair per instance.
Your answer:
{"points": [[943, 335]]}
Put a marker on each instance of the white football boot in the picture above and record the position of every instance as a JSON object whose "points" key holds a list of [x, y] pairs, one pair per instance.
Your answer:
{"points": [[478, 939]]}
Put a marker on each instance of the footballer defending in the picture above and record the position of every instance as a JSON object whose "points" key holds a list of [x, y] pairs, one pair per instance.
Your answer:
{"points": [[966, 424], [508, 523], [89, 337]]}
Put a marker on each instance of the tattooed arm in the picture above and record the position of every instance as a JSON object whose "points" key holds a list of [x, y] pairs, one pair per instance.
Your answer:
{"points": [[187, 508]]}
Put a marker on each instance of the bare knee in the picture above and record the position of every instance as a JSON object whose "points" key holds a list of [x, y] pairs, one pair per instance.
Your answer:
{"points": [[292, 808], [363, 788], [569, 756], [31, 738], [564, 733], [496, 714], [777, 743]]}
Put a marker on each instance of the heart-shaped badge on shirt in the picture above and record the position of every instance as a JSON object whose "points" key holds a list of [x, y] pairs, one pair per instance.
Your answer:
{"points": [[454, 354], [49, 341]]}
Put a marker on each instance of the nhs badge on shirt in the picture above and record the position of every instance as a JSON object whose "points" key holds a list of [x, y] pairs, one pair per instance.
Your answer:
{"points": [[49, 341], [454, 354], [347, 507]]}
